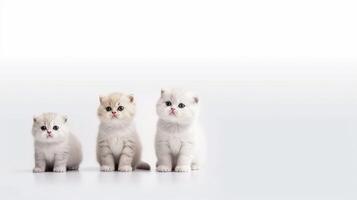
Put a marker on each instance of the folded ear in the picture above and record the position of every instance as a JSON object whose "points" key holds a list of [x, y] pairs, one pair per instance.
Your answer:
{"points": [[131, 98], [101, 99], [34, 119], [196, 99], [163, 91], [65, 118]]}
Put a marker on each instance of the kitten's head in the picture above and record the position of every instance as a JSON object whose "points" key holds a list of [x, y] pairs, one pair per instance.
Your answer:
{"points": [[116, 108], [50, 127], [177, 105]]}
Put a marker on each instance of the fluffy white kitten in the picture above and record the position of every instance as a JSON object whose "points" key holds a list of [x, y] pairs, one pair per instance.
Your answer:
{"points": [[56, 148], [179, 142], [118, 144]]}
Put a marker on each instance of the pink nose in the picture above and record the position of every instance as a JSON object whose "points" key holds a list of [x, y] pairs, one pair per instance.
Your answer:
{"points": [[173, 109], [49, 132], [114, 113]]}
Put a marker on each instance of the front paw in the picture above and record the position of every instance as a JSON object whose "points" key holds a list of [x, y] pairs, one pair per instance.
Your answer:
{"points": [[38, 170], [106, 168], [125, 168], [59, 169], [163, 168], [182, 168]]}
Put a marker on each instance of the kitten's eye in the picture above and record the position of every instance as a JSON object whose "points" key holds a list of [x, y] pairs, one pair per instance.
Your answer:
{"points": [[43, 128], [55, 127], [121, 108], [181, 105], [108, 109], [168, 103]]}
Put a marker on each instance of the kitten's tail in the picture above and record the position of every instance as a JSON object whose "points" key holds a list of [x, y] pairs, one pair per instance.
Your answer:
{"points": [[143, 165]]}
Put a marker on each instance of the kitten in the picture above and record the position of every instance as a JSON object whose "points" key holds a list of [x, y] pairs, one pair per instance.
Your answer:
{"points": [[56, 148], [118, 144], [178, 139]]}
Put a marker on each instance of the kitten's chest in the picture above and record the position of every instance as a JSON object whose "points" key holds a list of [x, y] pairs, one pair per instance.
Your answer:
{"points": [[49, 154], [116, 143], [175, 143], [50, 151], [176, 140]]}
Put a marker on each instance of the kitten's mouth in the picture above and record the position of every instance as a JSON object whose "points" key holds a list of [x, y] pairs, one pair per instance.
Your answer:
{"points": [[49, 136], [114, 117], [172, 113]]}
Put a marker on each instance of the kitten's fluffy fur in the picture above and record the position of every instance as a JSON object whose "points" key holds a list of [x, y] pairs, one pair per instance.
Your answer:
{"points": [[178, 141], [118, 144], [55, 150]]}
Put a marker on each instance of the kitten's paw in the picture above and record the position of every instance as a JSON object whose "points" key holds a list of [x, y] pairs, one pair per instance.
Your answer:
{"points": [[163, 168], [59, 169], [125, 168], [106, 168], [182, 168], [37, 170]]}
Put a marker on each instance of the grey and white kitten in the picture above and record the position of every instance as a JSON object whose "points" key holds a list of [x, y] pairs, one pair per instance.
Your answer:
{"points": [[118, 144], [56, 148], [179, 143]]}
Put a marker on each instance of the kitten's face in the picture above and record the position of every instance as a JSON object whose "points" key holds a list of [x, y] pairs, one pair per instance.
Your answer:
{"points": [[49, 127], [116, 108], [177, 106]]}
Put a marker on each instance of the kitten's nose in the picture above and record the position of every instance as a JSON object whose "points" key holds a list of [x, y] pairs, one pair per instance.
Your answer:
{"points": [[114, 112], [173, 109], [49, 132]]}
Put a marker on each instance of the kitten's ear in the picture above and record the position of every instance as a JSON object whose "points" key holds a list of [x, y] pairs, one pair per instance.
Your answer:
{"points": [[101, 99], [163, 91], [65, 118], [196, 100], [34, 118], [131, 98]]}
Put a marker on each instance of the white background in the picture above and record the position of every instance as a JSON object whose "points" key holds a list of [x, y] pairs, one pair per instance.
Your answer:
{"points": [[277, 82]]}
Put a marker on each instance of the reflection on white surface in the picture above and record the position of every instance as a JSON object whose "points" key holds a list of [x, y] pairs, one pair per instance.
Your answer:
{"points": [[91, 183], [118, 178]]}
